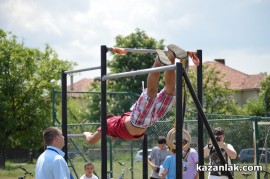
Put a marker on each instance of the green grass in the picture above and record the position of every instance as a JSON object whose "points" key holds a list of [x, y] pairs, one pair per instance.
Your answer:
{"points": [[117, 169], [13, 171]]}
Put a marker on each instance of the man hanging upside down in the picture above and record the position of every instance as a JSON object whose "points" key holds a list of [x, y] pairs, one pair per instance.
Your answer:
{"points": [[151, 105]]}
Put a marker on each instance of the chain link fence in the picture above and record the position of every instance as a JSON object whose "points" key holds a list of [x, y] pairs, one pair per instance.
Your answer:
{"points": [[83, 115]]}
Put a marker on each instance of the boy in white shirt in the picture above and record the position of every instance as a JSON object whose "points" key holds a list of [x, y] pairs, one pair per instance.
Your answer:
{"points": [[89, 171]]}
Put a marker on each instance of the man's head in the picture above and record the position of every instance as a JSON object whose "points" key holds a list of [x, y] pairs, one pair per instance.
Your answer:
{"points": [[53, 136], [162, 142], [219, 134]]}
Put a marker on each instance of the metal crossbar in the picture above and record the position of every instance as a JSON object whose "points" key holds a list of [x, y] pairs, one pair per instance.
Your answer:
{"points": [[137, 50], [81, 70], [75, 135], [263, 123], [138, 72]]}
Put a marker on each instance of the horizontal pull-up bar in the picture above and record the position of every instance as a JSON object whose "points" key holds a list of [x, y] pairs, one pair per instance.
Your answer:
{"points": [[137, 50], [138, 72], [75, 136], [81, 70]]}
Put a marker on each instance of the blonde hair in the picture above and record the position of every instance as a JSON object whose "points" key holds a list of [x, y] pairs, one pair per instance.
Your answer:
{"points": [[88, 163]]}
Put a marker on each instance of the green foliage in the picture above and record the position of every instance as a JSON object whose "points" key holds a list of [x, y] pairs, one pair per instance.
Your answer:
{"points": [[254, 107], [260, 106], [217, 97], [266, 94], [133, 61], [93, 106], [26, 78], [125, 63]]}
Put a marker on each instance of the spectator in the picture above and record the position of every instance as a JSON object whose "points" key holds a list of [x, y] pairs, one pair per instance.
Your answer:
{"points": [[157, 156], [190, 158], [89, 171], [51, 164], [227, 151], [168, 169]]}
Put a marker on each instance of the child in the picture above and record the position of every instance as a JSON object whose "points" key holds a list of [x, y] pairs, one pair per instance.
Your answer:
{"points": [[89, 169], [189, 158], [169, 166]]}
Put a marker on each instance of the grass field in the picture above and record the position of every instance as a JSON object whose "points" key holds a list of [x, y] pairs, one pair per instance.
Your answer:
{"points": [[13, 171]]}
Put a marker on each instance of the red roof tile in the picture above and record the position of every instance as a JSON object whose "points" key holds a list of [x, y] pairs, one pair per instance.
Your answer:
{"points": [[82, 85], [237, 79]]}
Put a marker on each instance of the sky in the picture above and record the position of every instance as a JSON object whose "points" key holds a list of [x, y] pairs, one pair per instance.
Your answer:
{"points": [[235, 30]]}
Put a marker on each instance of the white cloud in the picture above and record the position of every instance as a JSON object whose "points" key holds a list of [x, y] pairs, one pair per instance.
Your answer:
{"points": [[234, 30]]}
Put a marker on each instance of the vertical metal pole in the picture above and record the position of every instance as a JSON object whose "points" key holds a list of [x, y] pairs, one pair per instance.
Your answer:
{"points": [[103, 113], [64, 113], [200, 122], [132, 159], [71, 82], [256, 144], [145, 157], [111, 159], [266, 134], [53, 107], [179, 119], [266, 152], [206, 124]]}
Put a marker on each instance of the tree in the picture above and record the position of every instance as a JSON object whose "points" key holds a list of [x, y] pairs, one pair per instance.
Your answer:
{"points": [[133, 61], [266, 94], [260, 106], [27, 77], [217, 100], [217, 97], [125, 63]]}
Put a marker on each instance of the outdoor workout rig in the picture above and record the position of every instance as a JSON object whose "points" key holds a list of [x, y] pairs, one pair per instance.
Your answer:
{"points": [[180, 74]]}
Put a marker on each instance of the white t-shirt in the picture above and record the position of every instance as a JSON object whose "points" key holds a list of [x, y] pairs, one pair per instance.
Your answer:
{"points": [[85, 177], [217, 177]]}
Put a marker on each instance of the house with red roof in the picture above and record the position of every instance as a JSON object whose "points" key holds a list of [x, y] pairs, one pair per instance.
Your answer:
{"points": [[246, 86]]}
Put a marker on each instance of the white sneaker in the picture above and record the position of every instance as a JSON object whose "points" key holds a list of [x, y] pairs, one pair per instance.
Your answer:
{"points": [[178, 52], [163, 58]]}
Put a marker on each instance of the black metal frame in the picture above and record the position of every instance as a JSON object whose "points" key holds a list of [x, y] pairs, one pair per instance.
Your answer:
{"points": [[179, 115]]}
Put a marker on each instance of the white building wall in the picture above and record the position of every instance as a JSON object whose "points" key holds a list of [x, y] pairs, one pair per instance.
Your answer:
{"points": [[243, 96]]}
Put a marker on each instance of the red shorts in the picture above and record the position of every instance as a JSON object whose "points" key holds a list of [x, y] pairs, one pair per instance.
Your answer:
{"points": [[116, 128]]}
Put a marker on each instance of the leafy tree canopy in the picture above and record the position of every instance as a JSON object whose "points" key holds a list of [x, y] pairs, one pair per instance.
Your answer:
{"points": [[260, 106], [217, 97], [133, 61], [125, 63], [27, 77], [265, 95]]}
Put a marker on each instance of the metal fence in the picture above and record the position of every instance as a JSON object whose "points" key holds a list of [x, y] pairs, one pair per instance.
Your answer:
{"points": [[83, 115]]}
